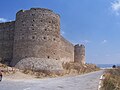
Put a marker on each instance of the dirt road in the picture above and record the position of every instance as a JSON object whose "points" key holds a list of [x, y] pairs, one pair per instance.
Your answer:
{"points": [[82, 82]]}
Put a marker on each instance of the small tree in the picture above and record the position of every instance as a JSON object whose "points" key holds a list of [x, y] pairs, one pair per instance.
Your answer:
{"points": [[114, 66]]}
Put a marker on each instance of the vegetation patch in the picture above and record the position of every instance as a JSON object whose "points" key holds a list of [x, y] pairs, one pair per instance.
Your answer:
{"points": [[78, 68], [68, 69], [112, 79]]}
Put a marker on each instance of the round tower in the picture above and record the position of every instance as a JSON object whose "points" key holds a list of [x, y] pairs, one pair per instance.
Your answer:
{"points": [[79, 54], [37, 34]]}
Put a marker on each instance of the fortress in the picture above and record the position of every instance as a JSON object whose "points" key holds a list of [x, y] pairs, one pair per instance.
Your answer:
{"points": [[36, 33]]}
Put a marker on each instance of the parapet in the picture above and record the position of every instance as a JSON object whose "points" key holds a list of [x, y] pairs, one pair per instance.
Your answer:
{"points": [[38, 10], [6, 24], [42, 9], [79, 46], [35, 9]]}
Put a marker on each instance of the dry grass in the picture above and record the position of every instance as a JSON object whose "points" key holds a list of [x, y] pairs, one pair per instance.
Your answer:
{"points": [[69, 69], [112, 79], [77, 68], [6, 70]]}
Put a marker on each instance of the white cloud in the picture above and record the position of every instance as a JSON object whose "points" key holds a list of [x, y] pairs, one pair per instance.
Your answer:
{"points": [[3, 20], [85, 41], [62, 32], [104, 41], [116, 7], [82, 42]]}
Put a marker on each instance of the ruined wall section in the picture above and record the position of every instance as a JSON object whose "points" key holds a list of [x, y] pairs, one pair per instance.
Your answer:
{"points": [[37, 34], [66, 50], [79, 52], [6, 41]]}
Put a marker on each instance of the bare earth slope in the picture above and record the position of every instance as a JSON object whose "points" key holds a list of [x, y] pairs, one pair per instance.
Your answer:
{"points": [[82, 82]]}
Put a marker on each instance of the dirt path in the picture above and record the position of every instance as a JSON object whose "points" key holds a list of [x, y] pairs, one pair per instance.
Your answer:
{"points": [[82, 82]]}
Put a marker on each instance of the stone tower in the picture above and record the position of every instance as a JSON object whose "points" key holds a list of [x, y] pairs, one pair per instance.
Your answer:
{"points": [[79, 53], [37, 34]]}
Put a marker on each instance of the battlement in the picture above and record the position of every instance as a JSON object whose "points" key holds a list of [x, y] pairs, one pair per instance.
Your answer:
{"points": [[33, 11], [42, 9], [36, 9], [3, 25], [79, 46]]}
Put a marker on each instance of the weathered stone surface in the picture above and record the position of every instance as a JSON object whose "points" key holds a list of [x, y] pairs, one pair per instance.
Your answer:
{"points": [[79, 54], [6, 41], [66, 51], [37, 34], [40, 64]]}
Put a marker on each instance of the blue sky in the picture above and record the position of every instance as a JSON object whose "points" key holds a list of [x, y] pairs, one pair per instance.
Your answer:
{"points": [[95, 23]]}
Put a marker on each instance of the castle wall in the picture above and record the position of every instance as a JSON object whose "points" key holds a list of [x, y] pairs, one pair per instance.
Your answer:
{"points": [[79, 52], [66, 51], [37, 34], [6, 41]]}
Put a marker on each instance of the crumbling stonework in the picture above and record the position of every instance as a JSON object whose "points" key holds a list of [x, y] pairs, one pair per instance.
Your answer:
{"points": [[36, 33]]}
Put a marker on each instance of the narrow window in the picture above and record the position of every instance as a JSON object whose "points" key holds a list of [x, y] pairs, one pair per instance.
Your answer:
{"points": [[44, 37], [48, 57], [54, 39], [33, 37], [45, 29], [33, 14]]}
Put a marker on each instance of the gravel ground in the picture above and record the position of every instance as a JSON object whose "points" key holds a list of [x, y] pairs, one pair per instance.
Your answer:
{"points": [[82, 82]]}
